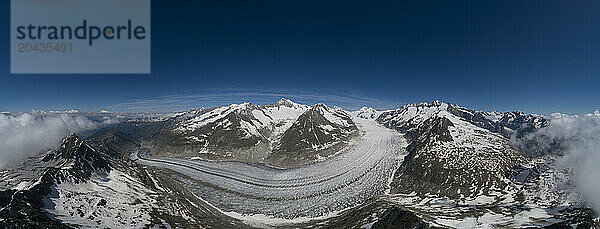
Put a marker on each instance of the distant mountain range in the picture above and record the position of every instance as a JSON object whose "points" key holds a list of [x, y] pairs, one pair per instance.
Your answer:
{"points": [[290, 165]]}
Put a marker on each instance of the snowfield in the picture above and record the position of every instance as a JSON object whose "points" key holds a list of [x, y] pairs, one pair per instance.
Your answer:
{"points": [[276, 118], [347, 179], [114, 201]]}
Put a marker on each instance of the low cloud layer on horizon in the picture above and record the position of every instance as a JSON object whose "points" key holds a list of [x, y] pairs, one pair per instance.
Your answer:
{"points": [[27, 134]]}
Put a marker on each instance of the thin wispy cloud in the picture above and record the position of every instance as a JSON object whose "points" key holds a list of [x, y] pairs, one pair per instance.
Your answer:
{"points": [[579, 138], [217, 97]]}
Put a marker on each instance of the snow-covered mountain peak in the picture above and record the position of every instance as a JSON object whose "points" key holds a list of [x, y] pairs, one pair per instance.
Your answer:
{"points": [[337, 115], [414, 114], [249, 114], [241, 106], [286, 103], [366, 109], [69, 137], [189, 113], [437, 103], [321, 105], [367, 113], [507, 123], [434, 103]]}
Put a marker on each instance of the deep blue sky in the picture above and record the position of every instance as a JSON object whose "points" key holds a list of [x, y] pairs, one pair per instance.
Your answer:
{"points": [[534, 56]]}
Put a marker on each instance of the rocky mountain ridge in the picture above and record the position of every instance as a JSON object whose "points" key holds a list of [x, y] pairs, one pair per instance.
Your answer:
{"points": [[282, 134]]}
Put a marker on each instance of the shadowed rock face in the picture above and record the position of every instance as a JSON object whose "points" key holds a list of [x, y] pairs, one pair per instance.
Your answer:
{"points": [[395, 217], [223, 134], [114, 142], [23, 209], [579, 218], [448, 155], [433, 129], [231, 135], [421, 171], [313, 136], [79, 160], [74, 161]]}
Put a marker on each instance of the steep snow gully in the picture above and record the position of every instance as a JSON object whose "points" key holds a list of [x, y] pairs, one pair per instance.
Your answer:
{"points": [[359, 172]]}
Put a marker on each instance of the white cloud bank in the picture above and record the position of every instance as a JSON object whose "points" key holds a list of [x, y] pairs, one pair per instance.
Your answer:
{"points": [[579, 138], [27, 134]]}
